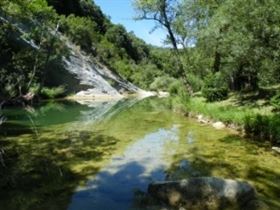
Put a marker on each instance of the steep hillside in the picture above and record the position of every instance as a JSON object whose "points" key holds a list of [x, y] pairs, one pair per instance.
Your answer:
{"points": [[53, 48]]}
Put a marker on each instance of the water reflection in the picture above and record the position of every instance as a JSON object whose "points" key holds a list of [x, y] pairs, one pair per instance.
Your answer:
{"points": [[190, 138], [30, 119], [141, 163], [104, 110], [123, 146], [50, 149]]}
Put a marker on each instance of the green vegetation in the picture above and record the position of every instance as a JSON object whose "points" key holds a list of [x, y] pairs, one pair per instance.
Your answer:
{"points": [[30, 49], [227, 47], [48, 153], [231, 38], [213, 153], [221, 60], [217, 47], [215, 88], [25, 61], [258, 120], [52, 93], [275, 102], [263, 128]]}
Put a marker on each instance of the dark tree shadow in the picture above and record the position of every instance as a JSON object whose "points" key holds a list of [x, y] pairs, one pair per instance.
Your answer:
{"points": [[265, 180], [38, 172]]}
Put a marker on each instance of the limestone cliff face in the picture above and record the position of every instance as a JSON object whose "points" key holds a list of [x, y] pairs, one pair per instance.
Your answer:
{"points": [[95, 77], [78, 72]]}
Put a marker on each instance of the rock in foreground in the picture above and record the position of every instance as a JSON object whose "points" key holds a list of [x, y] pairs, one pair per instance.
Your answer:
{"points": [[204, 193]]}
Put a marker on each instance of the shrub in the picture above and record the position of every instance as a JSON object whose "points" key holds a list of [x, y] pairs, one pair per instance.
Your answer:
{"points": [[177, 88], [215, 88], [275, 129], [51, 93], [215, 94], [34, 88], [257, 127], [81, 30], [195, 82], [162, 83], [264, 128], [275, 102]]}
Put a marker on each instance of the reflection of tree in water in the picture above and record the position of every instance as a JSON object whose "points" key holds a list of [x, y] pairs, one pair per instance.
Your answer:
{"points": [[105, 110], [42, 170]]}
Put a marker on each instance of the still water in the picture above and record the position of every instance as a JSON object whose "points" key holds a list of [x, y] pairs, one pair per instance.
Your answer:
{"points": [[100, 155]]}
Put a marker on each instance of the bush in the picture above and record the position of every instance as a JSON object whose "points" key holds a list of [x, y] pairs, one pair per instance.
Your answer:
{"points": [[195, 82], [81, 30], [275, 129], [51, 93], [257, 127], [275, 102], [215, 94], [264, 128], [216, 88], [177, 88], [162, 83]]}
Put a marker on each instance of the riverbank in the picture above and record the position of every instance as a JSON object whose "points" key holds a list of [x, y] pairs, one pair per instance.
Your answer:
{"points": [[253, 119], [82, 153]]}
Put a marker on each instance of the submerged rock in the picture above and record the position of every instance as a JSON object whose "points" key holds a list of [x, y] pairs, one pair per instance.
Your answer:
{"points": [[219, 125], [162, 94], [203, 193], [276, 149], [202, 119]]}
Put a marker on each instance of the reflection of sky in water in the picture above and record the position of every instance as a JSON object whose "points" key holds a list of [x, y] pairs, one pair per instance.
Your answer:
{"points": [[141, 163], [190, 138]]}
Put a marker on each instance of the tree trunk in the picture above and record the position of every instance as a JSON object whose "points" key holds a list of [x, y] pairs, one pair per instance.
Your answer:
{"points": [[168, 26], [217, 62]]}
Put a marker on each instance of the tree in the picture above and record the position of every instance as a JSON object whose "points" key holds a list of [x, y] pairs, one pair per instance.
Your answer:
{"points": [[162, 11]]}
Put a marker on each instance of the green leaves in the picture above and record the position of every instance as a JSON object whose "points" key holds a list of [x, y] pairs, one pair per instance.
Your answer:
{"points": [[82, 31]]}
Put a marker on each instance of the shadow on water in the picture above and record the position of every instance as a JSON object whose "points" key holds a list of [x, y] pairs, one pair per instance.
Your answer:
{"points": [[42, 162], [114, 186], [42, 173], [43, 157], [14, 129], [232, 157], [119, 146]]}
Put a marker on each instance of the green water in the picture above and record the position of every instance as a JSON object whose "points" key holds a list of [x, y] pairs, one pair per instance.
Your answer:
{"points": [[68, 155]]}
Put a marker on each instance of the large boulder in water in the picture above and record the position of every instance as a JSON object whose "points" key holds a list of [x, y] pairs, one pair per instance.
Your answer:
{"points": [[203, 193]]}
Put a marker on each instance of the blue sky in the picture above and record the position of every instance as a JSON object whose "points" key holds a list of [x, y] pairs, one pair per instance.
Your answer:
{"points": [[121, 11]]}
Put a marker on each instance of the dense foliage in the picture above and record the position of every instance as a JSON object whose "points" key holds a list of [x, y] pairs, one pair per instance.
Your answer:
{"points": [[212, 46], [30, 47], [221, 46], [25, 57], [263, 128], [239, 39]]}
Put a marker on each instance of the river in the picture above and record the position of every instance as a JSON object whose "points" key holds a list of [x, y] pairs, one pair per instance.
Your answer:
{"points": [[103, 155]]}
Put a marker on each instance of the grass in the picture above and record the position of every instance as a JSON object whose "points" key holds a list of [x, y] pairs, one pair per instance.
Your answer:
{"points": [[233, 110], [250, 113]]}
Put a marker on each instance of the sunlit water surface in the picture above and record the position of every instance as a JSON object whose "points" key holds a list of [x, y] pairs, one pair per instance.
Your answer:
{"points": [[66, 155]]}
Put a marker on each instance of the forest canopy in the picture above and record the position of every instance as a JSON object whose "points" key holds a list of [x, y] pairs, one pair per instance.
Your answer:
{"points": [[212, 46]]}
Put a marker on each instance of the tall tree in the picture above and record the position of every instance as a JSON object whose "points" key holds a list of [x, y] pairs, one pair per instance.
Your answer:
{"points": [[163, 12]]}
